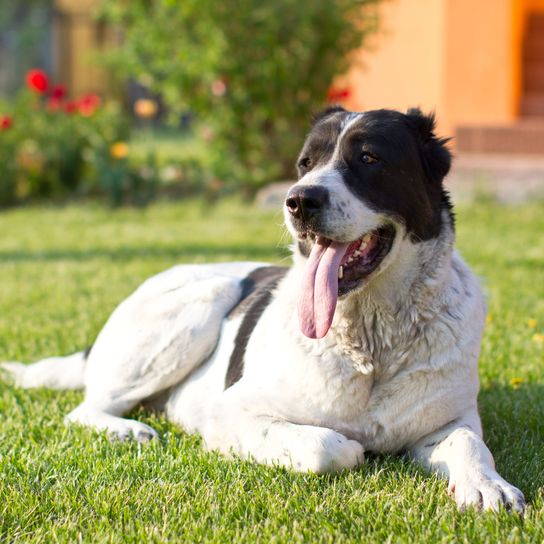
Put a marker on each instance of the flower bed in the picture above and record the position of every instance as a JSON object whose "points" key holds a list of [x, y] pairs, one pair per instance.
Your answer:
{"points": [[54, 146]]}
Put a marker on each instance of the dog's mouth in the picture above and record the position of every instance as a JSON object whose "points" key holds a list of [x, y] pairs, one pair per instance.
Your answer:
{"points": [[335, 269], [363, 257]]}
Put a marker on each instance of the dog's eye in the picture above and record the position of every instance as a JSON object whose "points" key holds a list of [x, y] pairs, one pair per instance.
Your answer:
{"points": [[305, 163], [368, 158]]}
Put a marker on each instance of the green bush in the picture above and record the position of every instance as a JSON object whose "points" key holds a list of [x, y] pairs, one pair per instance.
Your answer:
{"points": [[253, 71], [53, 147]]}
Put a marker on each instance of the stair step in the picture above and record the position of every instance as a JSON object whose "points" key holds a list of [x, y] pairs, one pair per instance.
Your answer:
{"points": [[523, 138]]}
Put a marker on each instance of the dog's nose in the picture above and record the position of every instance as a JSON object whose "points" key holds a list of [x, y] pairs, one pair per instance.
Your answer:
{"points": [[303, 202]]}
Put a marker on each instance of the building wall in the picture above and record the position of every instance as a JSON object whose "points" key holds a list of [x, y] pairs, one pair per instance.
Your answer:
{"points": [[533, 5], [461, 58], [403, 63], [482, 60]]}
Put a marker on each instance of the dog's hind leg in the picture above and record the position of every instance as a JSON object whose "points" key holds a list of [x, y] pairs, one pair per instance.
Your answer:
{"points": [[68, 373], [154, 340], [54, 372]]}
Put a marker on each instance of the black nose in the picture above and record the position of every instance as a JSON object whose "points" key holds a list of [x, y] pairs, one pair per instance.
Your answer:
{"points": [[304, 202]]}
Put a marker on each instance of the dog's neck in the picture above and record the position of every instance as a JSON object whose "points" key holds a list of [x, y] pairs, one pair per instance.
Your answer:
{"points": [[376, 325]]}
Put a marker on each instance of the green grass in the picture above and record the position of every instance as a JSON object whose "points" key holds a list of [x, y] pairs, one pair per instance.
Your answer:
{"points": [[168, 145], [62, 271]]}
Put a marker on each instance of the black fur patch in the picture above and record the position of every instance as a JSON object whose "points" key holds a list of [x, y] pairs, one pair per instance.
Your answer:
{"points": [[257, 293], [320, 144], [327, 112]]}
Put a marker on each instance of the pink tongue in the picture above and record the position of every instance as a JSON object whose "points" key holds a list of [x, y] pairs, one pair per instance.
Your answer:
{"points": [[317, 300]]}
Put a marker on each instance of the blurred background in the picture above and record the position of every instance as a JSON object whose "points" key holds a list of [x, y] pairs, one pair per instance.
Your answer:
{"points": [[131, 100]]}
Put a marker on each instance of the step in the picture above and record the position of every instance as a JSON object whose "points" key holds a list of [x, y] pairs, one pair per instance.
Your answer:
{"points": [[524, 137], [506, 178]]}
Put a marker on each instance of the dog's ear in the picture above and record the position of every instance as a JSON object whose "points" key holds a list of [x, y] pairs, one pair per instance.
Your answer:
{"points": [[326, 113], [435, 154]]}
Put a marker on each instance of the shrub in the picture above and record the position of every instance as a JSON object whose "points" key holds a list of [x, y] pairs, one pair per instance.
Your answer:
{"points": [[253, 71], [51, 146]]}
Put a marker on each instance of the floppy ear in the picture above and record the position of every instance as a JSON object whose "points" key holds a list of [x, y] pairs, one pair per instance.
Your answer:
{"points": [[326, 112], [435, 154]]}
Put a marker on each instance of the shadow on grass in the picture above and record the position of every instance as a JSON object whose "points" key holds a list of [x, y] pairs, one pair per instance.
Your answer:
{"points": [[123, 253]]}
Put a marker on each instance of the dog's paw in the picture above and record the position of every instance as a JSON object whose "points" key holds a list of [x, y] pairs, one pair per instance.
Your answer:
{"points": [[323, 450], [486, 492], [133, 430]]}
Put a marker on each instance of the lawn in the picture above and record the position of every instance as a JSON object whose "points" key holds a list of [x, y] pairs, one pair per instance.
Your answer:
{"points": [[62, 271]]}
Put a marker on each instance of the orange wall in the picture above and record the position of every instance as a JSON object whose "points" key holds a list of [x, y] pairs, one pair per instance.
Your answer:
{"points": [[482, 59], [534, 5], [403, 66], [461, 58]]}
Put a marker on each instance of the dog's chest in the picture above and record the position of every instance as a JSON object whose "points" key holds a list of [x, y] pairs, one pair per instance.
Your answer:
{"points": [[337, 382]]}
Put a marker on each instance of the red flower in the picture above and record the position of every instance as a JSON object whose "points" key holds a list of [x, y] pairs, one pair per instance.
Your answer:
{"points": [[70, 107], [5, 122], [58, 92], [88, 104], [337, 95], [37, 81]]}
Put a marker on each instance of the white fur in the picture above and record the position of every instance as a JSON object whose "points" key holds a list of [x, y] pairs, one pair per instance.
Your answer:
{"points": [[396, 372]]}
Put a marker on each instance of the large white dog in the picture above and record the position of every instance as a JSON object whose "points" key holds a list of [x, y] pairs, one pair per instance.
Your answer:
{"points": [[369, 342]]}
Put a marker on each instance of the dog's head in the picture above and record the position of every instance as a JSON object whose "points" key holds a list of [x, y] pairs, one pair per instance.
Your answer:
{"points": [[367, 181]]}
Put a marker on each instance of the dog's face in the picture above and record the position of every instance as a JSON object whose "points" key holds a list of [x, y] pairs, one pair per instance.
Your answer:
{"points": [[366, 181]]}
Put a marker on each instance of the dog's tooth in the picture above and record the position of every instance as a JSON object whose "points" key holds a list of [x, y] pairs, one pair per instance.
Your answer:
{"points": [[367, 237], [356, 253], [340, 272]]}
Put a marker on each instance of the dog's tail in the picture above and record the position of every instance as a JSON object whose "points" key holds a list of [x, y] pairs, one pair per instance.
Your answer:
{"points": [[53, 372]]}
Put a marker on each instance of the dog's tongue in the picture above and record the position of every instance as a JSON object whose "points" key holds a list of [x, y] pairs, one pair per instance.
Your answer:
{"points": [[319, 291]]}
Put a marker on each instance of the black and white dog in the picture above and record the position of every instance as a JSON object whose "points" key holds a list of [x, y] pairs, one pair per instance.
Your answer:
{"points": [[369, 342]]}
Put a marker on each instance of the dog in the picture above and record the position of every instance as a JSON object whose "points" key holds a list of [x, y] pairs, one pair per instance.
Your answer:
{"points": [[369, 342]]}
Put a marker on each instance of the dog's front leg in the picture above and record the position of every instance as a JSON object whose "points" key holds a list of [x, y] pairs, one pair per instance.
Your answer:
{"points": [[240, 426], [458, 452]]}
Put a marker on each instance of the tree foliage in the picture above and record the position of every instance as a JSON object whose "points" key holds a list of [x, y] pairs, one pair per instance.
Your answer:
{"points": [[253, 71]]}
